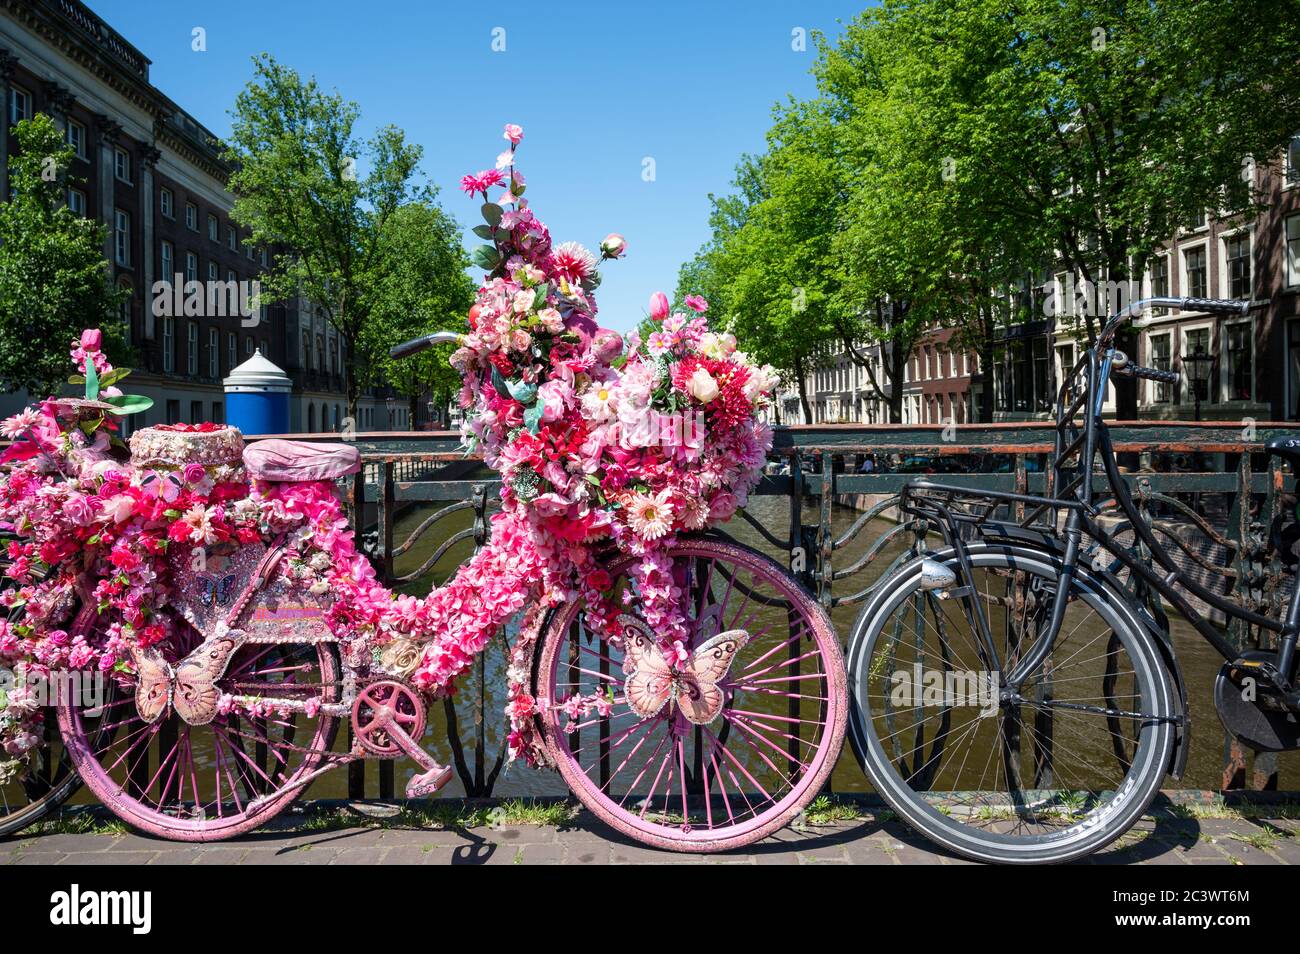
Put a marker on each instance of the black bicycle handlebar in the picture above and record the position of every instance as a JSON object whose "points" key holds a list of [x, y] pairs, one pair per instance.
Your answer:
{"points": [[1151, 374], [1224, 306], [416, 345]]}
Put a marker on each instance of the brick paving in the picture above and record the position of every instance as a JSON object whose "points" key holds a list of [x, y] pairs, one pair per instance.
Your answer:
{"points": [[1163, 838]]}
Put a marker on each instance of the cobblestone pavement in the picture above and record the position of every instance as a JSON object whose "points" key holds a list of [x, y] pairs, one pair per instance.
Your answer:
{"points": [[1160, 839]]}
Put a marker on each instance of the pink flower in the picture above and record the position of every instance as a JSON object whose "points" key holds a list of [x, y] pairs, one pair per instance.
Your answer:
{"points": [[92, 339], [650, 517], [81, 509], [697, 303], [513, 133], [613, 245], [659, 306], [194, 472]]}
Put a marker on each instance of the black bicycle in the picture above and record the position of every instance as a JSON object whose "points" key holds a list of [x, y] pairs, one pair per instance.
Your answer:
{"points": [[1015, 695]]}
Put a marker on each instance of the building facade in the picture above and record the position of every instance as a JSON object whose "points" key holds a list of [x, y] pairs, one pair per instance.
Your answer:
{"points": [[156, 178]]}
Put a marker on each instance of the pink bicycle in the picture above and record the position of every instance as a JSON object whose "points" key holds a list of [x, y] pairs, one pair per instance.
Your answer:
{"points": [[687, 689]]}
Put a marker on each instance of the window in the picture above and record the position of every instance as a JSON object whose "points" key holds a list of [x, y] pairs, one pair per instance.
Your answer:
{"points": [[248, 345], [77, 202], [231, 276], [1196, 340], [196, 412], [1236, 258], [1198, 220], [121, 164], [191, 267], [192, 349], [1160, 359], [214, 354], [1238, 356], [1160, 278], [168, 357], [320, 353], [248, 251], [214, 229], [1293, 250], [218, 412], [230, 238], [306, 349], [121, 237], [173, 412], [76, 136], [1194, 267], [232, 349], [214, 273], [191, 216], [262, 257], [167, 204], [1293, 161], [168, 256], [20, 105]]}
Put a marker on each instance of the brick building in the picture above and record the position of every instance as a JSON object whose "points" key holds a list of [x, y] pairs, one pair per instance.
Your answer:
{"points": [[154, 175]]}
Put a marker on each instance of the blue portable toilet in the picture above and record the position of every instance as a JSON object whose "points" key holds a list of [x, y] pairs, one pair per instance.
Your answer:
{"points": [[257, 397]]}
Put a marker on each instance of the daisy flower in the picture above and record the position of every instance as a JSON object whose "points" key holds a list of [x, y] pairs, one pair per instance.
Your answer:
{"points": [[600, 402], [650, 516], [22, 422]]}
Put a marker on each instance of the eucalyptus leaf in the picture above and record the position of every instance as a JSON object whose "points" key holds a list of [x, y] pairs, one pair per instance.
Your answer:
{"points": [[486, 257], [499, 382], [522, 392]]}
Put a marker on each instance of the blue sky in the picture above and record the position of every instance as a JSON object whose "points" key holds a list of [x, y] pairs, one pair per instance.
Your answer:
{"points": [[597, 87]]}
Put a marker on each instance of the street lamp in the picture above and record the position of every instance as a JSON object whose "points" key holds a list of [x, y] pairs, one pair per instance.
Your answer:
{"points": [[1199, 375]]}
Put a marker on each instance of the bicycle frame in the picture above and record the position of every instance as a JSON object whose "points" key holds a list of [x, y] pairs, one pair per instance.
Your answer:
{"points": [[1072, 491]]}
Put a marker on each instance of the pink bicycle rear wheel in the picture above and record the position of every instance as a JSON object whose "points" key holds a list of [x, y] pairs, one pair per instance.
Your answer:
{"points": [[674, 784], [215, 781]]}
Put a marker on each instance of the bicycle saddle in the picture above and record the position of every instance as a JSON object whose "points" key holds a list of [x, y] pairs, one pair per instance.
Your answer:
{"points": [[294, 461]]}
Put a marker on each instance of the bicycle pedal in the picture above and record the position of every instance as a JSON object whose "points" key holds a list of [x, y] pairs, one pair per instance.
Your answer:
{"points": [[1260, 670], [426, 783]]}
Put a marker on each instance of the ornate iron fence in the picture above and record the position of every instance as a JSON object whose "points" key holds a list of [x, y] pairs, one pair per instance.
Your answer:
{"points": [[837, 530]]}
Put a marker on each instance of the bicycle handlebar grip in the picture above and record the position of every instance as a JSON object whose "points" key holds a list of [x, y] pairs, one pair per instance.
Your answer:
{"points": [[408, 348], [1154, 374], [1226, 305]]}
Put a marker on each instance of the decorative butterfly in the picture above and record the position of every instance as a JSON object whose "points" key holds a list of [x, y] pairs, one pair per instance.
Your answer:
{"points": [[191, 687], [165, 485], [652, 683], [217, 590]]}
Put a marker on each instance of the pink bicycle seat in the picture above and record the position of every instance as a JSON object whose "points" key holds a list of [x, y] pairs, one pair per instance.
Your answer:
{"points": [[294, 461]]}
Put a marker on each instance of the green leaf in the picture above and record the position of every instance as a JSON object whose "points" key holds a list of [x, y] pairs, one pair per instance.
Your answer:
{"points": [[542, 290], [500, 383], [77, 379], [110, 379], [502, 236], [92, 382], [486, 257], [492, 213], [522, 392], [533, 417], [484, 232], [129, 403]]}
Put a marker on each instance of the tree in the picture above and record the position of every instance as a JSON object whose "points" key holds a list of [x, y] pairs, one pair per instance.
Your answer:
{"points": [[299, 187], [1087, 130], [53, 278], [421, 286]]}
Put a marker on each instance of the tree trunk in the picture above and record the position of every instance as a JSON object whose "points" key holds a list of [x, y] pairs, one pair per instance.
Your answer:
{"points": [[986, 393]]}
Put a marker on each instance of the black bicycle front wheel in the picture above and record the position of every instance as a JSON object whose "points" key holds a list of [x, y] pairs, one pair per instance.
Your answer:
{"points": [[1049, 773]]}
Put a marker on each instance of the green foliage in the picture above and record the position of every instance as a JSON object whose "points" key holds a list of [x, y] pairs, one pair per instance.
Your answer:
{"points": [[53, 278], [341, 238], [958, 150]]}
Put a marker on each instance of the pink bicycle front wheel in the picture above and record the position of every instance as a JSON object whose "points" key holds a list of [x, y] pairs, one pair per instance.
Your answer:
{"points": [[678, 783]]}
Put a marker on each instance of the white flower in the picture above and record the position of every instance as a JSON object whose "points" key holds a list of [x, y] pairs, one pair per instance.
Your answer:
{"points": [[760, 380], [600, 402], [702, 387]]}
